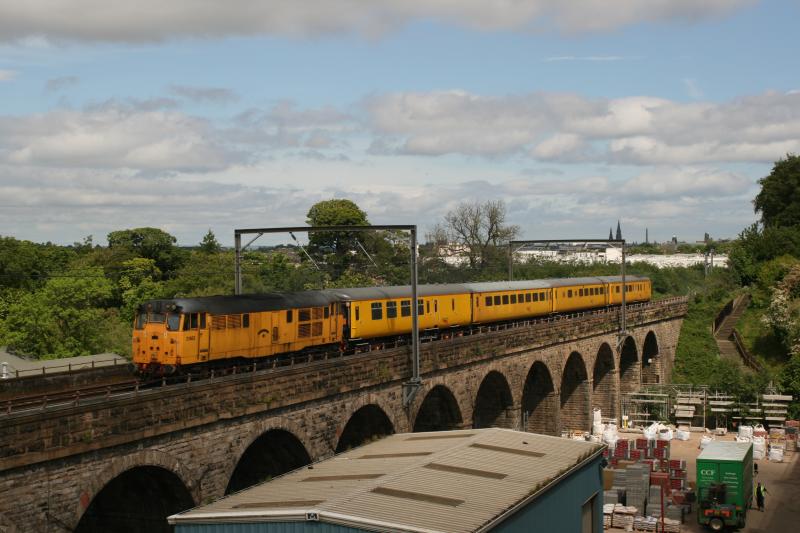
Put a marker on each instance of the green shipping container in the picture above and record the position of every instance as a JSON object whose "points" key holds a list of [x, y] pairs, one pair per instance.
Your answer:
{"points": [[730, 463]]}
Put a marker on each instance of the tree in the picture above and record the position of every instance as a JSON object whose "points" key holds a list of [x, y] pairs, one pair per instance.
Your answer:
{"points": [[779, 198], [479, 228], [64, 318], [338, 249], [150, 243], [209, 244]]}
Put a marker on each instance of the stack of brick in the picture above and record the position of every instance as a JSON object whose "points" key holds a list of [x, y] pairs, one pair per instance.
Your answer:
{"points": [[654, 501], [677, 474]]}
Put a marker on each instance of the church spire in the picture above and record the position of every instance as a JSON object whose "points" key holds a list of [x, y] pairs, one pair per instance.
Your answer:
{"points": [[619, 232], [610, 234]]}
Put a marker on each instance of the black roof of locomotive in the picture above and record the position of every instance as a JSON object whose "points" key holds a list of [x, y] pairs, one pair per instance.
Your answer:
{"points": [[250, 303]]}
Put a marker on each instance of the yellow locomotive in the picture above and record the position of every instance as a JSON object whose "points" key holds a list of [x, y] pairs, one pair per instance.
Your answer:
{"points": [[174, 333]]}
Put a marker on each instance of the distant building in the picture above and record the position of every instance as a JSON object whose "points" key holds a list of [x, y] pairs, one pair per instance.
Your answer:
{"points": [[470, 480]]}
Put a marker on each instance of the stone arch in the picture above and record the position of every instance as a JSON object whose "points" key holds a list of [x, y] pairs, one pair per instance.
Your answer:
{"points": [[120, 465], [540, 413], [494, 405], [575, 395], [367, 423], [629, 370], [138, 499], [651, 360], [439, 411], [604, 386], [272, 453]]}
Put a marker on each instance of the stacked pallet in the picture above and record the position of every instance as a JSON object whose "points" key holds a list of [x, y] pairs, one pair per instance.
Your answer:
{"points": [[637, 484], [623, 516], [649, 523]]}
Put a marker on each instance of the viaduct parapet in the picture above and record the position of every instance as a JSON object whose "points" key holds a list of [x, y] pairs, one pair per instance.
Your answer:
{"points": [[144, 456]]}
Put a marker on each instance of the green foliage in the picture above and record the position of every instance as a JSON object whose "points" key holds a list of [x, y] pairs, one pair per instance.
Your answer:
{"points": [[779, 198], [209, 244], [138, 283], [790, 383], [26, 265], [337, 250], [757, 245], [64, 318], [149, 243]]}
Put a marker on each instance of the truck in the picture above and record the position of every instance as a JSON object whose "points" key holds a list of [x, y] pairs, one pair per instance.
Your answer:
{"points": [[724, 484]]}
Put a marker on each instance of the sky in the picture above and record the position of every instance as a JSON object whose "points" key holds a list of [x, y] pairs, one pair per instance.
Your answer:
{"points": [[192, 115]]}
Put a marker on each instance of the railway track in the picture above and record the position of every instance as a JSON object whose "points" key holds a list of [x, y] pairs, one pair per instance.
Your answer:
{"points": [[25, 404]]}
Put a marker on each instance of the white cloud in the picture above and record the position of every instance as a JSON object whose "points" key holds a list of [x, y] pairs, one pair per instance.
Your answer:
{"points": [[154, 20], [58, 84], [113, 135], [571, 128], [204, 94], [7, 75]]}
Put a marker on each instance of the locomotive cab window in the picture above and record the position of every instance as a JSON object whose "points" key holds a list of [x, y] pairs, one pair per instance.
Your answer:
{"points": [[328, 311], [246, 320], [289, 316], [405, 308], [391, 309], [173, 322]]}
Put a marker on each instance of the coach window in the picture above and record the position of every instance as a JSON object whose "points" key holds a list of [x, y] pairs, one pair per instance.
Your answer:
{"points": [[528, 297], [358, 315], [617, 287], [405, 308], [428, 307], [420, 307], [327, 312], [391, 309], [453, 304], [513, 298], [505, 299], [497, 300], [488, 301], [289, 316], [436, 306], [569, 293], [580, 292], [202, 321], [377, 311], [246, 320]]}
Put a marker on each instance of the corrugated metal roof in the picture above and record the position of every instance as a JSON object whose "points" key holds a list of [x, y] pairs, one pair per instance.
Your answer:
{"points": [[434, 482], [720, 450]]}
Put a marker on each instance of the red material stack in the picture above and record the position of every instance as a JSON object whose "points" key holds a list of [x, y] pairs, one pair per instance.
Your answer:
{"points": [[661, 453], [641, 444], [662, 479], [662, 444], [636, 455], [621, 451]]}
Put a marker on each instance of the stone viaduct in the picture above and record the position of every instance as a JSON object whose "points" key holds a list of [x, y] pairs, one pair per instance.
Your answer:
{"points": [[127, 462]]}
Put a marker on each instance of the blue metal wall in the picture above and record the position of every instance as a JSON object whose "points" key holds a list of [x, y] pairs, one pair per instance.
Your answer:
{"points": [[559, 509]]}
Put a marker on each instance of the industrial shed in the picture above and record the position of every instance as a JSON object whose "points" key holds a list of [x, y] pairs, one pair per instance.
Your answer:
{"points": [[456, 481]]}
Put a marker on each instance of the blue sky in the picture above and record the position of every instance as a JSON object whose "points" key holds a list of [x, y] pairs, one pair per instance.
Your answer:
{"points": [[661, 113]]}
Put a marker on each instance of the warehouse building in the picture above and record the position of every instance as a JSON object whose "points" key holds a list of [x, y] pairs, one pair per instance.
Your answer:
{"points": [[457, 481]]}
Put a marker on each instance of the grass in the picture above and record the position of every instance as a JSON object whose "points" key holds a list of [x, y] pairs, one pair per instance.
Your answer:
{"points": [[759, 339], [697, 355]]}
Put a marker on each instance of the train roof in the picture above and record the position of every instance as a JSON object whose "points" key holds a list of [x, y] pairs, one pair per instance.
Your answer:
{"points": [[246, 303], [250, 303]]}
